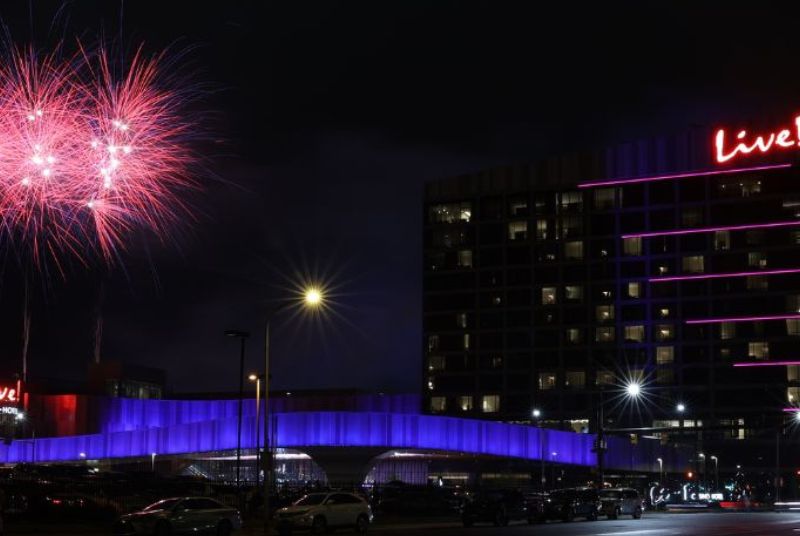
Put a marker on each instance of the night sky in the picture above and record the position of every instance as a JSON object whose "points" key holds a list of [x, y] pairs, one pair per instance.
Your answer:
{"points": [[330, 117]]}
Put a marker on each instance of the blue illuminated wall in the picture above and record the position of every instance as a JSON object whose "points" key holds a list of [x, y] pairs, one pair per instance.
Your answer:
{"points": [[136, 428]]}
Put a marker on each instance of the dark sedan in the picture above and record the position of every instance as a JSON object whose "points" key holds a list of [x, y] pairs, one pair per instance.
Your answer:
{"points": [[181, 515]]}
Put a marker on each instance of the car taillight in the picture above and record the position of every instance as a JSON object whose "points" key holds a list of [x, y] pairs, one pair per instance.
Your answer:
{"points": [[56, 501]]}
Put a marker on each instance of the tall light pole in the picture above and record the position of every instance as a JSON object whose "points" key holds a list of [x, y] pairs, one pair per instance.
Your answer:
{"points": [[705, 473], [716, 472], [660, 470], [242, 336], [537, 415], [257, 378], [313, 298]]}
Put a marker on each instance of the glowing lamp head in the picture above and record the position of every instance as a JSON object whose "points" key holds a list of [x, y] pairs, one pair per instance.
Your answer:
{"points": [[797, 416], [252, 377], [633, 389], [313, 297], [681, 407], [536, 413]]}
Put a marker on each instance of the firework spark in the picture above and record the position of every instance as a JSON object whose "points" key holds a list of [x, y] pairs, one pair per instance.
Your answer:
{"points": [[88, 156]]}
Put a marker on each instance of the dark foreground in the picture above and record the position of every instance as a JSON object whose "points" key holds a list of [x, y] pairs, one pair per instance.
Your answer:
{"points": [[705, 523], [694, 524]]}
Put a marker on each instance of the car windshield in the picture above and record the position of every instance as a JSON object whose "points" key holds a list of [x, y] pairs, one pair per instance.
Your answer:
{"points": [[166, 504], [311, 500], [610, 494]]}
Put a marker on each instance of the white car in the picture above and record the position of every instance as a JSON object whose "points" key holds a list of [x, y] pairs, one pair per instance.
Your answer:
{"points": [[320, 512]]}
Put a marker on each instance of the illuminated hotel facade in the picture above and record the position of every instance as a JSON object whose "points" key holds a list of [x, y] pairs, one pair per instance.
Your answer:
{"points": [[672, 263]]}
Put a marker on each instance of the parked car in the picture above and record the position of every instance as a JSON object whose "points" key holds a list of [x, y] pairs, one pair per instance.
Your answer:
{"points": [[621, 501], [536, 503], [181, 515], [496, 506], [321, 512], [567, 504]]}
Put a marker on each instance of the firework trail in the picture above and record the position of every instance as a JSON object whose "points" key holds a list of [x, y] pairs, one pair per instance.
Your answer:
{"points": [[90, 156]]}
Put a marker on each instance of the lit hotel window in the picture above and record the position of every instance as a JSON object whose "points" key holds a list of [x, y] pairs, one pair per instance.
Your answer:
{"points": [[547, 380], [466, 341], [490, 403], [757, 282], [575, 379], [757, 259], [433, 342], [793, 303], [431, 384], [727, 330], [793, 327], [604, 313], [465, 258], [634, 333], [518, 207], [461, 320], [496, 361], [665, 332], [518, 230], [570, 226], [465, 403], [438, 403], [662, 269], [548, 295], [793, 373], [573, 251], [604, 334], [450, 213], [665, 355], [758, 350], [574, 336], [793, 394], [693, 264], [632, 246], [605, 378], [663, 312], [604, 198], [573, 293], [541, 229], [722, 240], [634, 290], [572, 201], [436, 362]]}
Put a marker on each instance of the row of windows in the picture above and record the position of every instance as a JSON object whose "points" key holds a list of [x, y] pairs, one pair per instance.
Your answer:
{"points": [[604, 198]]}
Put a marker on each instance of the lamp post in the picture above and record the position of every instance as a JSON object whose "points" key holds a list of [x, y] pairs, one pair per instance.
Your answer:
{"points": [[537, 414], [633, 390], [716, 472], [313, 298], [660, 470], [242, 336], [705, 473], [257, 378]]}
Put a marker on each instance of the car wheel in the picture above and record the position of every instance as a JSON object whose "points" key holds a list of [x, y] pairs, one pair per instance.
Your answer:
{"points": [[162, 529], [614, 514], [637, 514], [362, 524], [318, 526], [592, 516], [568, 516], [224, 528], [284, 531]]}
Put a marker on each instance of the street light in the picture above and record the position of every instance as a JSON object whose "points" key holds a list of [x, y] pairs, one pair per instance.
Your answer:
{"points": [[633, 389], [313, 298], [537, 413], [242, 336], [705, 472], [716, 472], [660, 469], [257, 378], [680, 408]]}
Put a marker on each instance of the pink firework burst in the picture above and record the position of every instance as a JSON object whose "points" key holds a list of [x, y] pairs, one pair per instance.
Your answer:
{"points": [[89, 158]]}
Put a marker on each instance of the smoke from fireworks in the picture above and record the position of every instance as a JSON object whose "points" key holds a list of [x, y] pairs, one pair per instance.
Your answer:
{"points": [[90, 156]]}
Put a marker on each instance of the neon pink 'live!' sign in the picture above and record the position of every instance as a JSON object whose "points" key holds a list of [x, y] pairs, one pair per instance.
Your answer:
{"points": [[729, 146]]}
